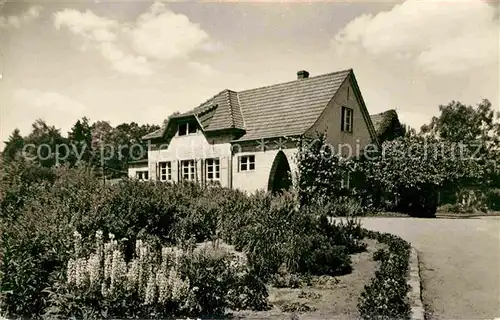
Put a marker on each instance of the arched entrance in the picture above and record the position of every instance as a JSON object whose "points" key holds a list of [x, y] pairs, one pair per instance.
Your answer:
{"points": [[280, 177]]}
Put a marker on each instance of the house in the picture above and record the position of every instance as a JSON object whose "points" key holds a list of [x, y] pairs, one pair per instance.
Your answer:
{"points": [[247, 139], [387, 125]]}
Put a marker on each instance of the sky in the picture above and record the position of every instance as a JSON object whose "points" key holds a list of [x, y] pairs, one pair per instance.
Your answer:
{"points": [[125, 61]]}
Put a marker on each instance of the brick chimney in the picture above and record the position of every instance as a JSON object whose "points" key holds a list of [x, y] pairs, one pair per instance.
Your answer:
{"points": [[302, 74]]}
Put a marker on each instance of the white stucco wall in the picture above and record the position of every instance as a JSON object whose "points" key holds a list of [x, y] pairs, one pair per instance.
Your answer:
{"points": [[133, 168], [330, 121], [251, 181], [192, 147]]}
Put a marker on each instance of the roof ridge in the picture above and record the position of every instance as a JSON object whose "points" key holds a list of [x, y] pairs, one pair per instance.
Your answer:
{"points": [[239, 108], [384, 112], [305, 79], [231, 112], [207, 110], [213, 97]]}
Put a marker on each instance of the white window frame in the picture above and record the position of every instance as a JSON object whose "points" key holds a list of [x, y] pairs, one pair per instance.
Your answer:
{"points": [[212, 168], [142, 175], [165, 170], [189, 127], [190, 175], [345, 181], [246, 162], [348, 119]]}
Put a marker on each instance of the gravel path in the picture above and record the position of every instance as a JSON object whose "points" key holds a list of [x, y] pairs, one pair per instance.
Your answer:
{"points": [[460, 263]]}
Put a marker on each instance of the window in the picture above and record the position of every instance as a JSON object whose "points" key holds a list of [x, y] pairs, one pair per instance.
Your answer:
{"points": [[192, 127], [165, 171], [345, 182], [247, 163], [188, 170], [187, 128], [347, 119], [141, 175], [212, 169]]}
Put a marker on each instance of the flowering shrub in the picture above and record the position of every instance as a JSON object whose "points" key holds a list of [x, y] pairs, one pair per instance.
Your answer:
{"points": [[154, 283]]}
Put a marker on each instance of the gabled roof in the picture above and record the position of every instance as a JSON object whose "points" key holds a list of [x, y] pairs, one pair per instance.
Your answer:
{"points": [[383, 119], [289, 108], [285, 109]]}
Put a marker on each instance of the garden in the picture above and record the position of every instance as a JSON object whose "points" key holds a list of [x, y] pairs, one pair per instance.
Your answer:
{"points": [[73, 247]]}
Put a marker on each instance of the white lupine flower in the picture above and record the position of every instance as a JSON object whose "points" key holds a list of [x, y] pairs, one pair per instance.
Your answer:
{"points": [[178, 253], [81, 272], [107, 260], [149, 294], [138, 245], [118, 269], [99, 243], [164, 290], [71, 272], [133, 274], [94, 269], [77, 243]]}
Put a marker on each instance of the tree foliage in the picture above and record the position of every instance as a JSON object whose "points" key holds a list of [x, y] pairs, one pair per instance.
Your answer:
{"points": [[478, 128], [408, 173], [98, 144]]}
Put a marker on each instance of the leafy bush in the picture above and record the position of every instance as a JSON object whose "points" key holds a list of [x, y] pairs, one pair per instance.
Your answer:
{"points": [[493, 199], [34, 247], [280, 233], [325, 177], [386, 295]]}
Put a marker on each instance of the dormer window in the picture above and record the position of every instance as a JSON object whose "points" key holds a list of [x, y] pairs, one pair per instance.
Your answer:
{"points": [[187, 128]]}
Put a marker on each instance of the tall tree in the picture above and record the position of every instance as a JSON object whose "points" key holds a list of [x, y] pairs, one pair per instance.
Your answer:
{"points": [[473, 126], [80, 138], [13, 147], [49, 147], [477, 129]]}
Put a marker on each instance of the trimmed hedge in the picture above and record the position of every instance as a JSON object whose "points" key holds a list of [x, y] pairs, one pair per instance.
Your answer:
{"points": [[386, 297]]}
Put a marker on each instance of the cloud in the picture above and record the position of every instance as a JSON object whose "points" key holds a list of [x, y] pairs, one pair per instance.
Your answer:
{"points": [[47, 101], [102, 34], [157, 36], [28, 105], [201, 68], [27, 16], [164, 35], [86, 24], [440, 37], [123, 62]]}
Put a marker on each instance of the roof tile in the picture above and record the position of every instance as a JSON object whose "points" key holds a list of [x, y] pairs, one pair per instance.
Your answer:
{"points": [[289, 108]]}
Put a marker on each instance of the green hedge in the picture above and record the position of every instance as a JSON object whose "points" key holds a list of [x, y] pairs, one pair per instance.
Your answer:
{"points": [[386, 295]]}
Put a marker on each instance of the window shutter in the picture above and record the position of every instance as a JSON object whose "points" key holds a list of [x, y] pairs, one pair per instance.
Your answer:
{"points": [[203, 174], [196, 170], [179, 169], [157, 171], [342, 120]]}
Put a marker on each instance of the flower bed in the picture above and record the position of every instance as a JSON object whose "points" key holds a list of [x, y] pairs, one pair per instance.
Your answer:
{"points": [[273, 232], [386, 295], [155, 283]]}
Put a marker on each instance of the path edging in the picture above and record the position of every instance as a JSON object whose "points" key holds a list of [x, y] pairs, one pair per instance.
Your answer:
{"points": [[415, 294]]}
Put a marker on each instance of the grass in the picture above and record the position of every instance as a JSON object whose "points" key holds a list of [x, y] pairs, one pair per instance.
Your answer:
{"points": [[326, 297]]}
